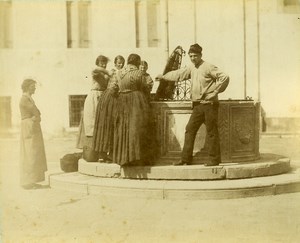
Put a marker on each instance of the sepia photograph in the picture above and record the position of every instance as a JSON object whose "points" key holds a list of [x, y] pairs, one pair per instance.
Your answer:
{"points": [[136, 121]]}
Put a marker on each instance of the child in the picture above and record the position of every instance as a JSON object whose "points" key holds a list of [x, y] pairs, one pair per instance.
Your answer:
{"points": [[144, 67], [119, 62]]}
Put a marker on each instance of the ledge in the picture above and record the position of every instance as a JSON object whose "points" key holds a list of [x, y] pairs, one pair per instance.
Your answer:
{"points": [[272, 165], [174, 189]]}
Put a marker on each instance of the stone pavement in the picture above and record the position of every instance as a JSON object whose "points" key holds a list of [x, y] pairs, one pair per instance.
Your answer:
{"points": [[49, 215]]}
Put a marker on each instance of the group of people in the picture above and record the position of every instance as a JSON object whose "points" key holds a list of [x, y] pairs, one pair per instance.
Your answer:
{"points": [[116, 124], [116, 113]]}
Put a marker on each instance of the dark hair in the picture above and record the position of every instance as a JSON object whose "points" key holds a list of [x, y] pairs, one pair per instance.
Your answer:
{"points": [[26, 83], [119, 57], [101, 58], [195, 49], [144, 63], [134, 59]]}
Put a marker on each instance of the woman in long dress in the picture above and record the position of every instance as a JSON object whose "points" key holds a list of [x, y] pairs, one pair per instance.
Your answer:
{"points": [[82, 140], [100, 81], [104, 122], [132, 115], [33, 158]]}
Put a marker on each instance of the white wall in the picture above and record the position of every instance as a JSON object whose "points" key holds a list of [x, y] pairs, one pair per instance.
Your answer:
{"points": [[38, 24], [280, 61], [39, 50], [220, 32]]}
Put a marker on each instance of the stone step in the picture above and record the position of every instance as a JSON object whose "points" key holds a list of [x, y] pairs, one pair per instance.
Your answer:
{"points": [[271, 166], [177, 189]]}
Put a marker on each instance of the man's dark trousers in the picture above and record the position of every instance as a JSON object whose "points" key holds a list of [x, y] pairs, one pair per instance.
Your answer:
{"points": [[207, 113]]}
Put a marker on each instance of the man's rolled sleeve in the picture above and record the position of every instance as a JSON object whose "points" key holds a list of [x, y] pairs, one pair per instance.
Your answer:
{"points": [[178, 75]]}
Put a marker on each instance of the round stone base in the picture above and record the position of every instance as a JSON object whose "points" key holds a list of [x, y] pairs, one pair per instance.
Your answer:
{"points": [[175, 189], [271, 175], [267, 166]]}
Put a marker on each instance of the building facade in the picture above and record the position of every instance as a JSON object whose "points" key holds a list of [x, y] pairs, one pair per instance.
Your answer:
{"points": [[56, 42]]}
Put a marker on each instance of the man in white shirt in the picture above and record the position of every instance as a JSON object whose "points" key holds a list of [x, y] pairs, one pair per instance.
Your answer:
{"points": [[206, 82]]}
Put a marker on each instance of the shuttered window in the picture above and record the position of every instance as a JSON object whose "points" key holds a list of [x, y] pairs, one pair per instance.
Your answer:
{"points": [[5, 24], [76, 103], [148, 23], [78, 24]]}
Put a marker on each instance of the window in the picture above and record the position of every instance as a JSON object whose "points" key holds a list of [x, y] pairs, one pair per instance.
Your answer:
{"points": [[76, 103], [5, 24], [148, 23], [289, 6], [5, 112], [78, 24]]}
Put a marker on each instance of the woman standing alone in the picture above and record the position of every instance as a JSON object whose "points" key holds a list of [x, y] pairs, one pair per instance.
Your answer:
{"points": [[33, 158]]}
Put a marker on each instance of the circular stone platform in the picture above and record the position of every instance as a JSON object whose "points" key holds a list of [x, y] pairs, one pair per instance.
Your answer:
{"points": [[174, 189], [271, 175], [268, 165]]}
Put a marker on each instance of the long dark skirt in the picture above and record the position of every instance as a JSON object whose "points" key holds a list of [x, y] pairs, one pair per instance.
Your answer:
{"points": [[131, 128], [81, 135], [104, 122]]}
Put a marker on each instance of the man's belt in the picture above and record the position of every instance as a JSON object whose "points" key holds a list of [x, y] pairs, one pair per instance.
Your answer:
{"points": [[204, 102]]}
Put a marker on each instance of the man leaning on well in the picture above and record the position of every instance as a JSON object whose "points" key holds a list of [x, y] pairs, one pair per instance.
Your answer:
{"points": [[207, 81]]}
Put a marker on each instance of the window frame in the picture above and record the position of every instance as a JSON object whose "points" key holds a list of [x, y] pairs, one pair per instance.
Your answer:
{"points": [[147, 33], [76, 110], [6, 29], [78, 21]]}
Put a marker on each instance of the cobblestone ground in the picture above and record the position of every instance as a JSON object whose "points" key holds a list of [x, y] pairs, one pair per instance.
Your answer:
{"points": [[49, 215]]}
